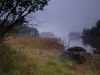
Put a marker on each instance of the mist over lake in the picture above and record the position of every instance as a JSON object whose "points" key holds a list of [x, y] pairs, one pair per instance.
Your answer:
{"points": [[76, 42]]}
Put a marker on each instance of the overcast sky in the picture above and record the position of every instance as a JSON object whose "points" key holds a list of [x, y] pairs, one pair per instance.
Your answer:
{"points": [[64, 16]]}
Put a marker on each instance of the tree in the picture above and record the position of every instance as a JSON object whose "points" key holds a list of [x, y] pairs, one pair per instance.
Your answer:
{"points": [[13, 14], [92, 36], [27, 31]]}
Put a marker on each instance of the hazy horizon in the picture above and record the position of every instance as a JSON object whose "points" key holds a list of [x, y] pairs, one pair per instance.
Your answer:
{"points": [[64, 16]]}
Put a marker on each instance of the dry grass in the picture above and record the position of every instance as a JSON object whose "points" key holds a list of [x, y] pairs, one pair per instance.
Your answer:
{"points": [[37, 43], [41, 51], [35, 46]]}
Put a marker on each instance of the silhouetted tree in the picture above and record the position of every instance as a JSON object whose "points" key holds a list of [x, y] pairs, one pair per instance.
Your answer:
{"points": [[13, 13], [25, 30], [92, 36]]}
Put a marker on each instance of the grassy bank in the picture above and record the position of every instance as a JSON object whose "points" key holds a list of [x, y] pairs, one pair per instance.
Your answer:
{"points": [[34, 56]]}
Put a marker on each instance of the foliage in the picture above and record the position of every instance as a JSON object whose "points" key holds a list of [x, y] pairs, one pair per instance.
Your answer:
{"points": [[92, 36], [77, 53], [76, 49], [13, 13], [25, 30]]}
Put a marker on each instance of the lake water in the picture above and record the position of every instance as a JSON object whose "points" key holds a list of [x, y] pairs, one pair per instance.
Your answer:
{"points": [[77, 42]]}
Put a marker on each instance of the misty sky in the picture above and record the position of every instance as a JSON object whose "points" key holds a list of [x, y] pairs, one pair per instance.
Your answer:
{"points": [[64, 16]]}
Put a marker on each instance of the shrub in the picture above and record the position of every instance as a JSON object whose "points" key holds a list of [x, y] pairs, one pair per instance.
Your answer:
{"points": [[77, 53]]}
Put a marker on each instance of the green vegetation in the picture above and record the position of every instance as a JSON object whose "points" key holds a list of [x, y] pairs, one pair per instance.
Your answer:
{"points": [[15, 61], [92, 37]]}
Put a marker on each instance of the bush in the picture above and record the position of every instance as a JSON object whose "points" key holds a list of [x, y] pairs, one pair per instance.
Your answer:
{"points": [[77, 53], [79, 58]]}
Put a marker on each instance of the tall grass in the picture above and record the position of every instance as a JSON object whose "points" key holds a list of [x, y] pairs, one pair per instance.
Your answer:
{"points": [[9, 58], [35, 42], [14, 61]]}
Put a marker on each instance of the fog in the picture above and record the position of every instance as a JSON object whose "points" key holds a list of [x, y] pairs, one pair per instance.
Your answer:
{"points": [[64, 16]]}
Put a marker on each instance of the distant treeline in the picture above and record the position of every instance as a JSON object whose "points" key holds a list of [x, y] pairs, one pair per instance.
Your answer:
{"points": [[27, 31]]}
